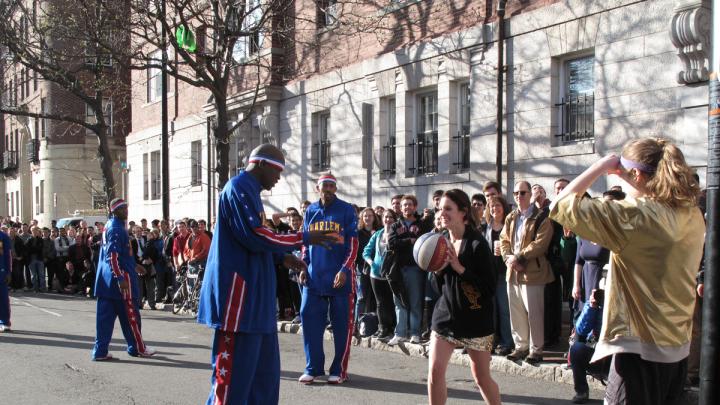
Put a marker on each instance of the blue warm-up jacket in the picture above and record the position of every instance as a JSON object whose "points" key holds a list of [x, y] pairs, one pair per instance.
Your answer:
{"points": [[115, 240], [324, 263], [238, 292]]}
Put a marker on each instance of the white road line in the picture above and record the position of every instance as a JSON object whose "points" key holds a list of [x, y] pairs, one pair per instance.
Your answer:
{"points": [[16, 300]]}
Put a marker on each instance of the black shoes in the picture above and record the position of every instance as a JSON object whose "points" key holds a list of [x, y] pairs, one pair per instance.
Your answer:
{"points": [[503, 351], [534, 359], [580, 398], [517, 355]]}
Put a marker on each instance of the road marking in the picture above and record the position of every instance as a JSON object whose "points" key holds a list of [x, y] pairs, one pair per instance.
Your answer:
{"points": [[36, 307]]}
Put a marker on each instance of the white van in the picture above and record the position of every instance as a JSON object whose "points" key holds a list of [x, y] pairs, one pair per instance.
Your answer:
{"points": [[75, 220]]}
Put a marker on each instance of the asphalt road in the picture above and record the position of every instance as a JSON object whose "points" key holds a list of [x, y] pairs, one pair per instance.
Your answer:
{"points": [[46, 360]]}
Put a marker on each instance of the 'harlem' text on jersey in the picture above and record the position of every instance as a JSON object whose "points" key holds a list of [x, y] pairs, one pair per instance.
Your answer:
{"points": [[325, 226]]}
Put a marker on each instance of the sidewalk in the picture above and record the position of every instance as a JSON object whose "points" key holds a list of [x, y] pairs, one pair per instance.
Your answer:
{"points": [[552, 369]]}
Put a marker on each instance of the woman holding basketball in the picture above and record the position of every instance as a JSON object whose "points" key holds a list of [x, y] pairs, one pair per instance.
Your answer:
{"points": [[656, 240], [463, 315]]}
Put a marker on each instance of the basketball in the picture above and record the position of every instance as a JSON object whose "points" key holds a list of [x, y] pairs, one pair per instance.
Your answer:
{"points": [[430, 251]]}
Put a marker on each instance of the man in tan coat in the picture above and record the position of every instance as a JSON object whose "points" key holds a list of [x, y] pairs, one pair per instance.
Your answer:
{"points": [[523, 243]]}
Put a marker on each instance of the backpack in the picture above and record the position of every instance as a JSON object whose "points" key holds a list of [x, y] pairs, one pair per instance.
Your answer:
{"points": [[368, 324]]}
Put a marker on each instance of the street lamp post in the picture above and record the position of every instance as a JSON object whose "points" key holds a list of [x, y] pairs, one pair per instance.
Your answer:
{"points": [[165, 151], [710, 359]]}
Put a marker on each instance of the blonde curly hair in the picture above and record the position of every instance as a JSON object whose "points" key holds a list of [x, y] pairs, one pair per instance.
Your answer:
{"points": [[673, 182]]}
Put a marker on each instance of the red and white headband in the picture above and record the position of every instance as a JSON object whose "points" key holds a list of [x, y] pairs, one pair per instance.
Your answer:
{"points": [[260, 158], [326, 178]]}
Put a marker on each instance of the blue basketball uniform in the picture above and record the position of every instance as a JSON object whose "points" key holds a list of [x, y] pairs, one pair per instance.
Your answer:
{"points": [[238, 297], [319, 296]]}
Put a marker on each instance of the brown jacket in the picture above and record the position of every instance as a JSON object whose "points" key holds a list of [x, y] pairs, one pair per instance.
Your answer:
{"points": [[532, 252]]}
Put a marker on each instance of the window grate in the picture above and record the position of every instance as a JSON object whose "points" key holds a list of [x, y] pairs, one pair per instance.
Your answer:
{"points": [[462, 160], [323, 153], [388, 158], [425, 152], [577, 118]]}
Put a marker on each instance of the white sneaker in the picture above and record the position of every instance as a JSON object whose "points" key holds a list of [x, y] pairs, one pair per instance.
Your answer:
{"points": [[396, 340], [106, 357], [149, 352], [307, 379], [333, 379], [415, 339], [4, 328]]}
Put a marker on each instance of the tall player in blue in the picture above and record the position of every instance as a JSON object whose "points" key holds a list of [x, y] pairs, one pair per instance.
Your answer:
{"points": [[117, 289], [238, 297], [329, 283], [5, 270]]}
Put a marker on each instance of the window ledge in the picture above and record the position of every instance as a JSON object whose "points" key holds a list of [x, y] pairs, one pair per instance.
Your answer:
{"points": [[571, 149], [395, 6], [423, 180]]}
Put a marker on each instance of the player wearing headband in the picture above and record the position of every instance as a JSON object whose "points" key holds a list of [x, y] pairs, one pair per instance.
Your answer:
{"points": [[238, 297], [116, 288], [329, 282]]}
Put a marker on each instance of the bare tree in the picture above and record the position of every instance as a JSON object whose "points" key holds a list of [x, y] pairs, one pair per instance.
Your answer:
{"points": [[213, 45], [230, 47], [76, 46]]}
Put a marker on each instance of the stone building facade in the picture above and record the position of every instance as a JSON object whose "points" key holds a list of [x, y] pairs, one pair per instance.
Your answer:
{"points": [[411, 107]]}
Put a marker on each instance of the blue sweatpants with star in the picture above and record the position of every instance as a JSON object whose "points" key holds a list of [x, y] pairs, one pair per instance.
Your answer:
{"points": [[246, 369]]}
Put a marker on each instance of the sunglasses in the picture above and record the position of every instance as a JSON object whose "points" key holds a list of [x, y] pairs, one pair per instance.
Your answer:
{"points": [[521, 192]]}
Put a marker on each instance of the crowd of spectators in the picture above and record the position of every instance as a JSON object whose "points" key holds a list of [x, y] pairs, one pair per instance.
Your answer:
{"points": [[63, 260], [539, 266]]}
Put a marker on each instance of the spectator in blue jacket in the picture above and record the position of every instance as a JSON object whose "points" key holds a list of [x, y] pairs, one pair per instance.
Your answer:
{"points": [[374, 255], [587, 331]]}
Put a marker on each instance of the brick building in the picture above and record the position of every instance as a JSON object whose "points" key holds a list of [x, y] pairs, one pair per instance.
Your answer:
{"points": [[50, 168], [407, 104]]}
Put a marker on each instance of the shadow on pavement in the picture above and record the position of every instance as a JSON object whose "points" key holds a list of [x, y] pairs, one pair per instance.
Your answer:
{"points": [[89, 339], [402, 387], [117, 346], [380, 384]]}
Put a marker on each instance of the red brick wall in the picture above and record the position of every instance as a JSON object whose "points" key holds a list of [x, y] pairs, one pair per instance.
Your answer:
{"points": [[366, 31]]}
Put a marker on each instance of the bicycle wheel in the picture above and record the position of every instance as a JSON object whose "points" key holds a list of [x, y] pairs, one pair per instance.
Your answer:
{"points": [[179, 298], [193, 300]]}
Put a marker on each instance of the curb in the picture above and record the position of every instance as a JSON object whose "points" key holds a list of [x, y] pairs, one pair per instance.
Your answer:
{"points": [[546, 371], [552, 372]]}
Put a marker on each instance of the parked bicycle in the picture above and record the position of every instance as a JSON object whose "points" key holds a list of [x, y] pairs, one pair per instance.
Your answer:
{"points": [[186, 297]]}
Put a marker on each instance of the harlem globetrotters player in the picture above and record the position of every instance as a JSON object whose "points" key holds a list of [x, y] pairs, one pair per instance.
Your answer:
{"points": [[239, 290], [329, 284], [116, 288]]}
